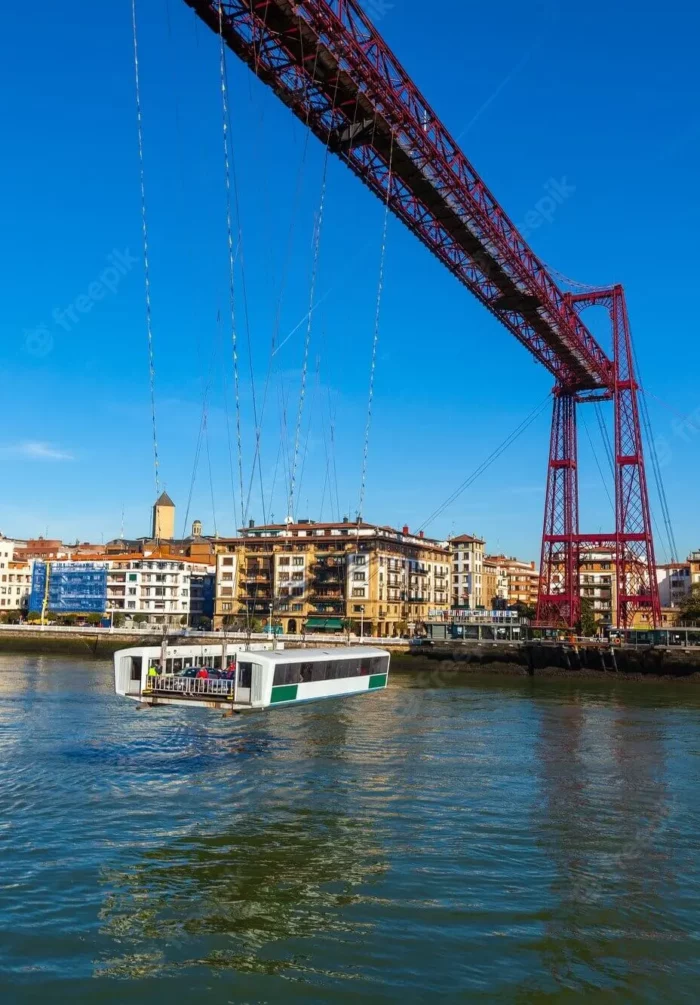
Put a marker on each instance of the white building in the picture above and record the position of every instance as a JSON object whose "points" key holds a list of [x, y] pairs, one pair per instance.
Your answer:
{"points": [[675, 581], [166, 589], [467, 571]]}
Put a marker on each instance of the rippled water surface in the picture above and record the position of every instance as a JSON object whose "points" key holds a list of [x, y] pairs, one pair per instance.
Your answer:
{"points": [[490, 840]]}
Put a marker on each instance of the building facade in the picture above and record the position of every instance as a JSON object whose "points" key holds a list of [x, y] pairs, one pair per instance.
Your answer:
{"points": [[520, 581], [598, 584], [15, 580], [160, 589], [467, 555], [336, 576], [675, 581]]}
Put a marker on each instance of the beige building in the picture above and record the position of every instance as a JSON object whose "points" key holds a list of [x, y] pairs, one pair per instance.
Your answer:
{"points": [[467, 555], [494, 584], [519, 580], [15, 578], [163, 518], [331, 576]]}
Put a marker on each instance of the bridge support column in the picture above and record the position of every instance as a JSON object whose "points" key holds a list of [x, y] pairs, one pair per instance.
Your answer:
{"points": [[637, 587], [559, 603]]}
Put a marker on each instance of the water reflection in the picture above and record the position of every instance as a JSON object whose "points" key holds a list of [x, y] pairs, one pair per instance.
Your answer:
{"points": [[246, 897], [596, 762]]}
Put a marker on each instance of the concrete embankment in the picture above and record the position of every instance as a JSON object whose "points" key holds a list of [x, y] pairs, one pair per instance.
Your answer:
{"points": [[544, 659], [528, 658]]}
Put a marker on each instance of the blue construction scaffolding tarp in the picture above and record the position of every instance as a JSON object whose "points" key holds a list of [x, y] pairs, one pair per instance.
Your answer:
{"points": [[73, 587]]}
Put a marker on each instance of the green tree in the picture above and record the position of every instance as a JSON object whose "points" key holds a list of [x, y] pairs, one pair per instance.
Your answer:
{"points": [[140, 619], [528, 611], [94, 619], [587, 625], [690, 608], [118, 619]]}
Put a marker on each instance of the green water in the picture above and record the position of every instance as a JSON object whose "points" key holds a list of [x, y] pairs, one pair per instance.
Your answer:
{"points": [[489, 840]]}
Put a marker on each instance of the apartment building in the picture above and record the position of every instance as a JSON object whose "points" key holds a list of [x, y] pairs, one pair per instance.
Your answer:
{"points": [[331, 576], [467, 554], [15, 579], [158, 588], [520, 581], [598, 583], [494, 584], [675, 581]]}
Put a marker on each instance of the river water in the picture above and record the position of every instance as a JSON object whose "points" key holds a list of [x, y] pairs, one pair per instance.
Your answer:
{"points": [[490, 839]]}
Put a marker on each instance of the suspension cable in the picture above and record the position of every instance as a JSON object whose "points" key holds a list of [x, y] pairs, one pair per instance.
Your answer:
{"points": [[605, 436], [375, 339], [146, 264], [517, 432], [656, 467], [231, 260], [597, 461], [309, 326], [211, 480]]}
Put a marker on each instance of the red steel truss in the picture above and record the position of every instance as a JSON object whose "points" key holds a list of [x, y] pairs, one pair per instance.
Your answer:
{"points": [[325, 60]]}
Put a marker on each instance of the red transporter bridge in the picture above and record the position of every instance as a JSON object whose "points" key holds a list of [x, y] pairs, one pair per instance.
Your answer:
{"points": [[326, 61]]}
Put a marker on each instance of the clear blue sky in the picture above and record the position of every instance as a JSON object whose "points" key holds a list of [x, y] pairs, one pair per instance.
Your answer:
{"points": [[603, 96]]}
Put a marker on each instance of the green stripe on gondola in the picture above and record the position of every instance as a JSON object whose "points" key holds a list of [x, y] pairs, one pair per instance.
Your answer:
{"points": [[377, 680], [285, 692]]}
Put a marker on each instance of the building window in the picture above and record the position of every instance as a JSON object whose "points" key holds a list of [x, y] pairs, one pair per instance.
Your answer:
{"points": [[227, 561], [132, 577], [226, 606], [297, 561], [131, 604], [358, 577], [132, 591], [358, 593]]}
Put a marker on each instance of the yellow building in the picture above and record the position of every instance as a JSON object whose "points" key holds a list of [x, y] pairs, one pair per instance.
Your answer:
{"points": [[164, 518], [331, 576], [491, 580]]}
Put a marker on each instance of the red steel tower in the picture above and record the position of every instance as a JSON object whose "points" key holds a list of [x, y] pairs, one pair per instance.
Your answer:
{"points": [[326, 61]]}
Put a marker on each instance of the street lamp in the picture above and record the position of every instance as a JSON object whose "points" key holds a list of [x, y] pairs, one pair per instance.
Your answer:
{"points": [[362, 622]]}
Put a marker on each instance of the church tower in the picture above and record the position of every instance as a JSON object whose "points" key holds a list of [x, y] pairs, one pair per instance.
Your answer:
{"points": [[164, 518]]}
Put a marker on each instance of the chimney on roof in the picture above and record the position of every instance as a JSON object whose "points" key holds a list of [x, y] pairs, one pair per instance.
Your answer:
{"points": [[251, 524], [405, 529], [346, 520], [421, 533]]}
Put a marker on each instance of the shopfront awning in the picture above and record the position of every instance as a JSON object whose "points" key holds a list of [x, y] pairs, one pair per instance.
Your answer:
{"points": [[325, 624]]}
